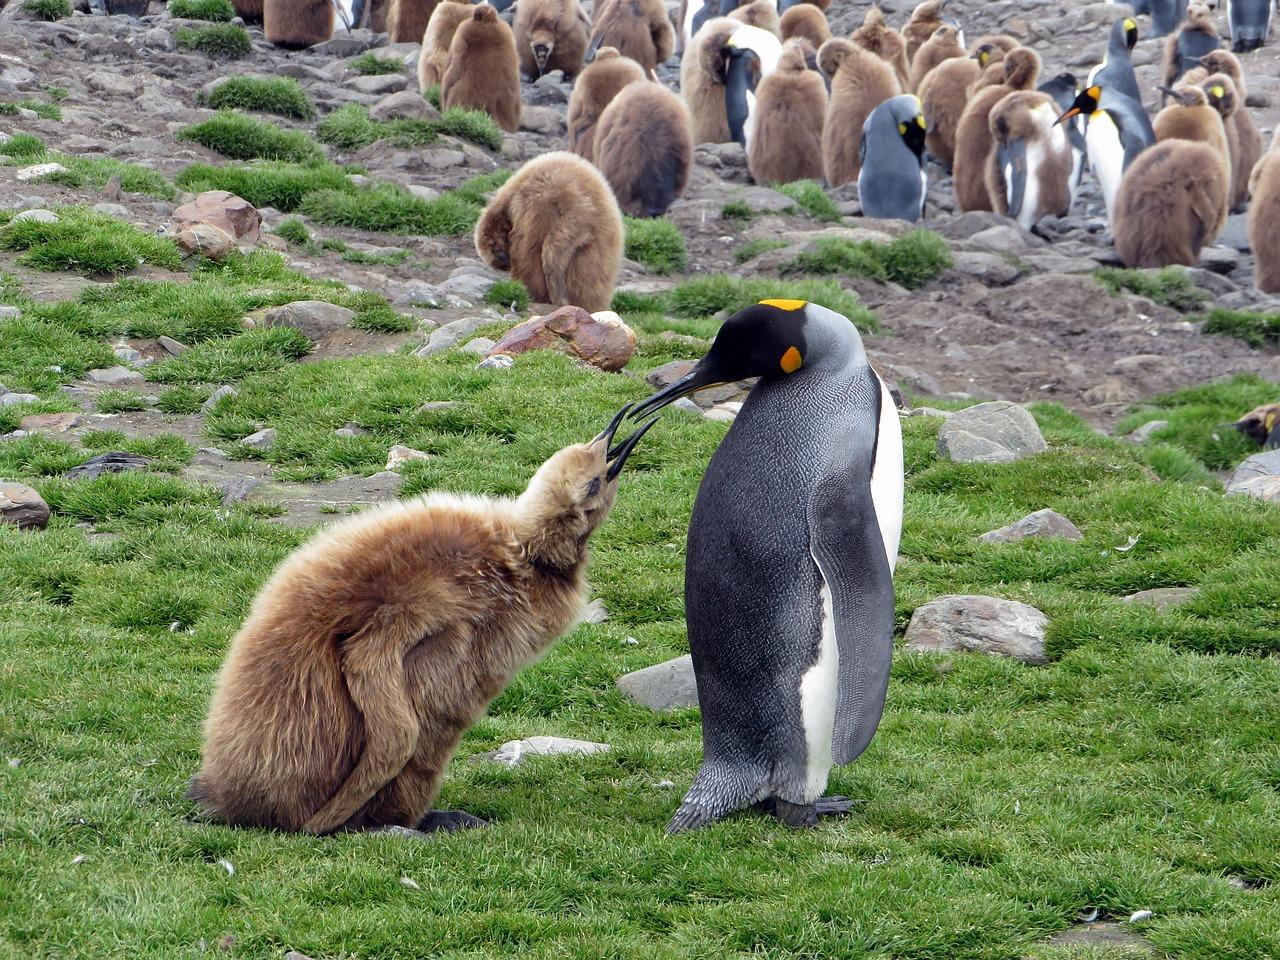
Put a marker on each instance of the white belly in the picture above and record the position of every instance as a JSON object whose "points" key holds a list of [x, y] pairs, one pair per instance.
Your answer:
{"points": [[1106, 156], [886, 477], [818, 689]]}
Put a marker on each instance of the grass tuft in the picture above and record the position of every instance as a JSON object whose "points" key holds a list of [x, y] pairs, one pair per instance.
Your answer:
{"points": [[1254, 328], [1170, 286], [753, 248], [23, 146], [215, 11], [657, 243], [911, 260], [267, 183], [223, 361], [48, 10], [737, 210], [242, 137], [811, 198], [295, 232], [45, 111], [392, 209], [370, 64], [87, 171], [282, 96], [707, 296], [223, 41], [350, 128], [432, 96], [508, 294], [87, 242], [120, 401]]}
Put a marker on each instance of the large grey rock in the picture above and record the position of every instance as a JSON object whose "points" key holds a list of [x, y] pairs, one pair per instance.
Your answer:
{"points": [[1143, 433], [216, 397], [1259, 476], [262, 440], [994, 432], [381, 83], [315, 318], [13, 399], [112, 376], [450, 335], [1047, 524], [990, 268], [469, 285], [22, 506], [404, 105], [36, 171], [664, 686], [976, 624], [113, 461], [35, 216], [1163, 598]]}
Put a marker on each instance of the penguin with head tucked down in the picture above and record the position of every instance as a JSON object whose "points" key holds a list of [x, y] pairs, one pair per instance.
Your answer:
{"points": [[892, 181], [789, 564], [806, 22], [1250, 20], [1117, 129], [1115, 72], [1029, 175], [718, 78]]}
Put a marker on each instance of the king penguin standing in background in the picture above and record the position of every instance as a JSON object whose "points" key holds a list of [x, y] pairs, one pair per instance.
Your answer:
{"points": [[789, 564]]}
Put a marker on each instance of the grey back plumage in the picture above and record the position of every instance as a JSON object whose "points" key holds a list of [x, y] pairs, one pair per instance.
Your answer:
{"points": [[890, 183]]}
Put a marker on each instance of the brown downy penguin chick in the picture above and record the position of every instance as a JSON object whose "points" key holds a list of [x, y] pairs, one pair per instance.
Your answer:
{"points": [[973, 133], [925, 20], [551, 35], [759, 13], [482, 73], [1189, 116], [724, 52], [555, 226], [250, 11], [876, 36], [807, 22], [601, 81], [444, 23], [860, 82], [944, 93], [297, 24], [375, 15], [644, 148], [1264, 220], [1171, 203], [1242, 133], [639, 29], [791, 108], [407, 20], [378, 643], [942, 46], [990, 52], [1262, 426], [1196, 37], [1029, 171]]}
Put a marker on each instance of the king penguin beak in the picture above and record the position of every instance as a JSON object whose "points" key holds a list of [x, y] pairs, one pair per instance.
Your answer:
{"points": [[618, 455], [693, 381]]}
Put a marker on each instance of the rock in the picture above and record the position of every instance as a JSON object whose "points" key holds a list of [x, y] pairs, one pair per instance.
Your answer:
{"points": [[600, 339], [22, 506], [113, 461], [1163, 598], [664, 686], [595, 613], [662, 377], [234, 216], [35, 216], [237, 488], [348, 43], [544, 120], [399, 455], [1270, 369], [1143, 433], [499, 361], [380, 83], [974, 624], [404, 105], [469, 285], [1000, 239], [1046, 524], [450, 334], [1219, 259], [990, 268], [262, 440], [172, 347], [112, 84], [316, 319], [480, 346], [993, 432], [114, 375], [206, 240], [27, 174], [9, 313], [13, 399], [217, 396], [54, 422], [437, 406], [727, 411], [1258, 476], [514, 752]]}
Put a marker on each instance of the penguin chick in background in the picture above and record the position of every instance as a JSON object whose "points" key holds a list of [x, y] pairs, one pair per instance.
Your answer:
{"points": [[1189, 116], [974, 145], [1197, 37], [551, 35], [947, 43], [860, 82], [639, 29], [807, 22], [789, 564], [1264, 220], [644, 149], [944, 93], [1242, 132], [791, 107], [377, 644], [876, 36], [892, 184], [601, 81], [761, 14], [925, 20], [1029, 175]]}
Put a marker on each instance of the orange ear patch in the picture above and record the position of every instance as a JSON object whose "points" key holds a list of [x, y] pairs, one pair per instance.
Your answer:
{"points": [[791, 360]]}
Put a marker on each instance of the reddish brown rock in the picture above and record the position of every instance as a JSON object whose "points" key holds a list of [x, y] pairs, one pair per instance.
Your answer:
{"points": [[22, 506], [206, 239], [234, 216], [600, 339]]}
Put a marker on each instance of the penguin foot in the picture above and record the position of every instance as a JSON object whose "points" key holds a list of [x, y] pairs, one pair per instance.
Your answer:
{"points": [[832, 806], [805, 814], [450, 821]]}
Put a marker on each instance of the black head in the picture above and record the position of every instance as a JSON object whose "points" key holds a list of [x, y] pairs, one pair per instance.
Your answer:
{"points": [[742, 72], [1086, 104], [1130, 32]]}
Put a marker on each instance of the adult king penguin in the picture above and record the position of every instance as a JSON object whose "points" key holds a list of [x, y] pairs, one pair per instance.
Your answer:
{"points": [[789, 565], [892, 181], [1250, 20], [1115, 72], [1117, 130]]}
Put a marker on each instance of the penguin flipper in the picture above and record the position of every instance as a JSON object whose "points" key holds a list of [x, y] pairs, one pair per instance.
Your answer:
{"points": [[848, 547]]}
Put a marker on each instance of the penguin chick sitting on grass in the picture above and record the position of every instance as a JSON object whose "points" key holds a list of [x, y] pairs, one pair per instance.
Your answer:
{"points": [[375, 646]]}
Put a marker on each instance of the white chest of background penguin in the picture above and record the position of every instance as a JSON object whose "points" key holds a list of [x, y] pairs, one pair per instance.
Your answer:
{"points": [[1165, 14], [751, 54], [698, 12], [789, 566], [1117, 130], [892, 181], [1250, 20]]}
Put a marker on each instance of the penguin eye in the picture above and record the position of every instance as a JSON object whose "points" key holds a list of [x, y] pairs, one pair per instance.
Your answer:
{"points": [[791, 360], [593, 487]]}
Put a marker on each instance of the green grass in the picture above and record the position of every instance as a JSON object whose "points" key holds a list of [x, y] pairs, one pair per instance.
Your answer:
{"points": [[215, 11], [45, 111], [242, 137], [657, 243], [24, 147], [282, 96], [223, 41], [87, 171], [508, 294], [390, 258], [370, 64], [706, 296], [295, 232], [812, 199], [737, 210], [350, 128], [1254, 328], [753, 248], [267, 183], [120, 401], [911, 260], [48, 9], [222, 361], [432, 96], [392, 209], [87, 242], [1170, 286]]}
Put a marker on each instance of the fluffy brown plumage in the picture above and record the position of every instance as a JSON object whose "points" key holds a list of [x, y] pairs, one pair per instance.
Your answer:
{"points": [[1262, 425], [551, 35], [1264, 220], [407, 19], [942, 46], [375, 646], [598, 84], [702, 81], [1172, 201], [926, 18], [482, 72], [944, 93], [375, 15], [1199, 20], [296, 24], [1021, 69], [1189, 116], [444, 23], [791, 107], [555, 226], [860, 82], [806, 22], [1030, 116], [250, 11], [759, 13], [639, 29], [644, 148], [875, 35]]}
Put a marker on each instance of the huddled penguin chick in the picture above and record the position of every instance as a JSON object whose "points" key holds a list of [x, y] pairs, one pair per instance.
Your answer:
{"points": [[375, 15], [1172, 202], [250, 11], [925, 20], [601, 81], [378, 643], [482, 72], [1189, 116], [1223, 97], [892, 182], [1250, 21], [1115, 72], [1062, 90], [1243, 137], [551, 35], [434, 59], [762, 14], [789, 564], [944, 93], [791, 108], [297, 24], [1264, 220], [1197, 37], [860, 82], [876, 36], [1262, 426], [407, 20], [718, 78], [947, 43], [555, 226], [1029, 175], [974, 145], [807, 22], [644, 148], [1116, 132], [639, 29]]}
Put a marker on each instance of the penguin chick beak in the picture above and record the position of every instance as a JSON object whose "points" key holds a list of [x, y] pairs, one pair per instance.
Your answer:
{"points": [[696, 379], [618, 455], [605, 436]]}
